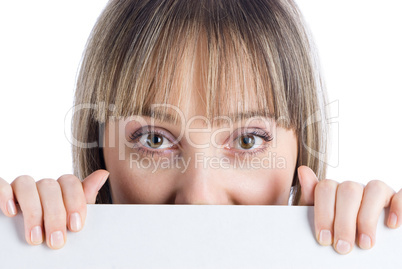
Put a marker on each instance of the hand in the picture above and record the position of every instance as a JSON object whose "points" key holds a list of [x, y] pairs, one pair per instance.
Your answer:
{"points": [[341, 210], [50, 203]]}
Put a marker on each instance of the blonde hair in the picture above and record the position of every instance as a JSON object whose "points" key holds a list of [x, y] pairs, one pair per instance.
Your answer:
{"points": [[132, 55]]}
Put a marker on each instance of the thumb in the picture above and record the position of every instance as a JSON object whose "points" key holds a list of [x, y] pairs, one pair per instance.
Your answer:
{"points": [[93, 183], [308, 180]]}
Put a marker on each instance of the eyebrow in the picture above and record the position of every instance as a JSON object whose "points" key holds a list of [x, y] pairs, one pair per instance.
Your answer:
{"points": [[168, 118]]}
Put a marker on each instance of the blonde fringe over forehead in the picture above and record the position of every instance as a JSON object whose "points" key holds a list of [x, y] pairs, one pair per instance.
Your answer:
{"points": [[143, 44], [137, 49]]}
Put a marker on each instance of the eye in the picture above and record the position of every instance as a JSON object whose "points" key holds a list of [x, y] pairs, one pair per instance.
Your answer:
{"points": [[248, 141], [155, 141], [151, 140]]}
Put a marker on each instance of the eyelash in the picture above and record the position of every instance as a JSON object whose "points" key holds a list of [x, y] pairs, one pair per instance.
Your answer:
{"points": [[267, 137], [144, 151]]}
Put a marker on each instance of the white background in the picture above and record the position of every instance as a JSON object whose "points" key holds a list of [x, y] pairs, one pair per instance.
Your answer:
{"points": [[359, 43]]}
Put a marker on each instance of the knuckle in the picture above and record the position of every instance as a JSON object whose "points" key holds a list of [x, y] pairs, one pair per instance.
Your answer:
{"points": [[67, 178], [56, 217], [376, 185], [32, 215], [5, 190], [22, 180], [365, 224], [397, 201], [77, 204], [350, 187], [82, 207], [47, 182], [326, 185], [363, 220], [397, 198]]}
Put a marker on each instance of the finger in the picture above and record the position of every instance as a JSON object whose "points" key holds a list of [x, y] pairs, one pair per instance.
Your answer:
{"points": [[324, 210], [348, 198], [74, 201], [376, 196], [93, 183], [7, 202], [54, 213], [308, 181], [27, 196], [395, 211]]}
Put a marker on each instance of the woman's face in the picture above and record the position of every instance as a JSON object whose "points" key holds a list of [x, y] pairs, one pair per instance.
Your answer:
{"points": [[249, 161]]}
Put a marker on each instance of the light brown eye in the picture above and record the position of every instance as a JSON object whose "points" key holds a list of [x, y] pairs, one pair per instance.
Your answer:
{"points": [[154, 140], [246, 141]]}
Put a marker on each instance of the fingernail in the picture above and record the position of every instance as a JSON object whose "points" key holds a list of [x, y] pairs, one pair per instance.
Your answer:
{"points": [[12, 210], [103, 181], [298, 173], [325, 237], [342, 247], [364, 241], [36, 235], [57, 239], [393, 219], [75, 222]]}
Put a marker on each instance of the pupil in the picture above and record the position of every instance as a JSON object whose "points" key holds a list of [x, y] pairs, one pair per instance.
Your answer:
{"points": [[247, 142], [154, 141]]}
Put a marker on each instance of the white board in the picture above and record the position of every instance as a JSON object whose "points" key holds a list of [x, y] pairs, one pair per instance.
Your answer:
{"points": [[194, 236]]}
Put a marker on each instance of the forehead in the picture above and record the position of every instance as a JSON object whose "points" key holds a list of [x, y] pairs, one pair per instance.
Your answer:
{"points": [[196, 73], [207, 83], [179, 118]]}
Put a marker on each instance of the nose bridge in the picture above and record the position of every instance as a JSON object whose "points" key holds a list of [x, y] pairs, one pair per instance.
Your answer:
{"points": [[199, 184]]}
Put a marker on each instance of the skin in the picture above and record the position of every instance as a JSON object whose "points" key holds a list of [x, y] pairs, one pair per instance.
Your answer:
{"points": [[341, 210], [132, 183]]}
